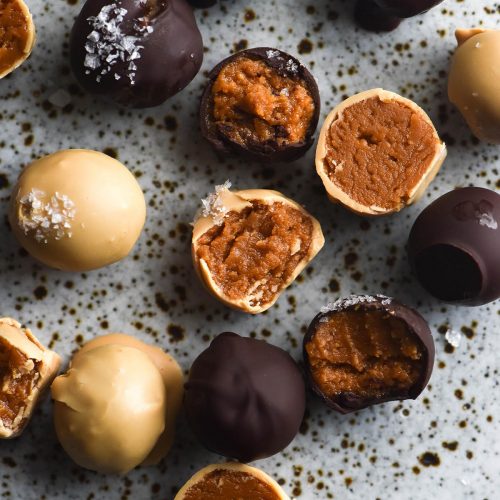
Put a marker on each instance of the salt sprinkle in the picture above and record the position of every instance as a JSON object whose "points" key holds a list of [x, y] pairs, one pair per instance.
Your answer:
{"points": [[453, 337], [109, 43], [292, 66], [51, 219], [487, 220], [354, 300], [213, 206], [271, 54]]}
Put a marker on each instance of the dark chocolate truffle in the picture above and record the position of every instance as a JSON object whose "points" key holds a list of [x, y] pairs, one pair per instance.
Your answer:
{"points": [[261, 103], [365, 350], [244, 399], [454, 246], [136, 53]]}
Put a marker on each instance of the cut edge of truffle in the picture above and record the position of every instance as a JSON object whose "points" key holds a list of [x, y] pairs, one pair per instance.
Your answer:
{"points": [[336, 194]]}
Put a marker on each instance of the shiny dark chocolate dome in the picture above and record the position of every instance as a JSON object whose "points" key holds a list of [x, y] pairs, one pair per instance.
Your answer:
{"points": [[137, 54], [244, 399], [454, 246]]}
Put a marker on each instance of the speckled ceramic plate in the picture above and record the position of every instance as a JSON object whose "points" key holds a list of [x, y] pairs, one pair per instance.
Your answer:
{"points": [[444, 445]]}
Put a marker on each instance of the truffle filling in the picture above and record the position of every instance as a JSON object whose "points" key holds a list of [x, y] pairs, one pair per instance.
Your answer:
{"points": [[378, 151], [449, 273], [253, 103], [18, 377], [13, 33], [254, 253], [229, 484], [365, 353]]}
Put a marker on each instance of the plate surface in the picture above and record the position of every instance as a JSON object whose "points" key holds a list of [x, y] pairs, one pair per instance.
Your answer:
{"points": [[444, 445]]}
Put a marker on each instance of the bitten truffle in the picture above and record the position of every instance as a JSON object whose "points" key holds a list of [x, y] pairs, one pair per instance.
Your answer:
{"points": [[377, 152], [137, 54], [474, 82], [248, 246], [77, 210], [26, 370], [115, 407], [244, 398], [230, 481], [366, 350], [17, 35], [261, 103], [454, 246]]}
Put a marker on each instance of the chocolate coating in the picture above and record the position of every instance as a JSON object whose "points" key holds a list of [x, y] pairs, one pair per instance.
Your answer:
{"points": [[454, 246], [349, 402], [244, 399], [164, 50], [269, 151], [407, 8], [202, 4]]}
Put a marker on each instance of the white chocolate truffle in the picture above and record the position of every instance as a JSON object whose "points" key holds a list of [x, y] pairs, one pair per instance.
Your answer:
{"points": [[474, 82], [26, 370], [109, 408], [77, 210]]}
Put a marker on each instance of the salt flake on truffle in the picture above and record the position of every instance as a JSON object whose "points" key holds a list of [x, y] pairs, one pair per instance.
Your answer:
{"points": [[213, 205], [453, 337], [354, 300]]}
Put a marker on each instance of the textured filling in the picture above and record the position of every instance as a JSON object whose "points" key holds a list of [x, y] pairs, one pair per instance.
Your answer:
{"points": [[366, 353], [254, 252], [18, 376], [13, 33], [253, 103], [378, 151], [230, 485]]}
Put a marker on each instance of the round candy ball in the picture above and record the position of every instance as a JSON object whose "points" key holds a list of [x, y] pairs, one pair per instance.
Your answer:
{"points": [[77, 210], [454, 246], [136, 53], [244, 399], [109, 408]]}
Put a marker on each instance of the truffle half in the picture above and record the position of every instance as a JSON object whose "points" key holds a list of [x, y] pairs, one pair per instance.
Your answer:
{"points": [[230, 481], [474, 81], [26, 369], [77, 210], [17, 35], [248, 246], [365, 350], [245, 398], [377, 152], [110, 407]]}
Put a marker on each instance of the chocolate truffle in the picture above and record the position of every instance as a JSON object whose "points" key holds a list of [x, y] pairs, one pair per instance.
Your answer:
{"points": [[230, 481], [17, 35], [111, 406], [365, 350], [173, 380], [261, 103], [244, 399], [248, 246], [26, 369], [136, 53], [454, 246], [377, 153], [77, 210], [474, 82]]}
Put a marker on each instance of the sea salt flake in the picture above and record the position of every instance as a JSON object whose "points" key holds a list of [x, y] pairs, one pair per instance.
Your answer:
{"points": [[212, 205], [272, 53], [354, 300], [487, 220], [453, 337]]}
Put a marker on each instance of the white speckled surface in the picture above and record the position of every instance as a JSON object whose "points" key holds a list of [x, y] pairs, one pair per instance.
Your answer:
{"points": [[155, 295]]}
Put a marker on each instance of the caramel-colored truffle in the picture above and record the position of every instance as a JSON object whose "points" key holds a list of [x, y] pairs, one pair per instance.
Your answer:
{"points": [[77, 210], [17, 35], [378, 152], [248, 246], [474, 82], [26, 369], [230, 481], [110, 408]]}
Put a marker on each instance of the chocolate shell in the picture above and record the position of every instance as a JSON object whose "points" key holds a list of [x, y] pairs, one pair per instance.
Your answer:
{"points": [[270, 150], [407, 8], [416, 326], [454, 246], [137, 54], [244, 399]]}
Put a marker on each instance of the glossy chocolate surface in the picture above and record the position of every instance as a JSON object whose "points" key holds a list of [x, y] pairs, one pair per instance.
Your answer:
{"points": [[244, 399], [454, 246], [136, 54], [349, 402]]}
